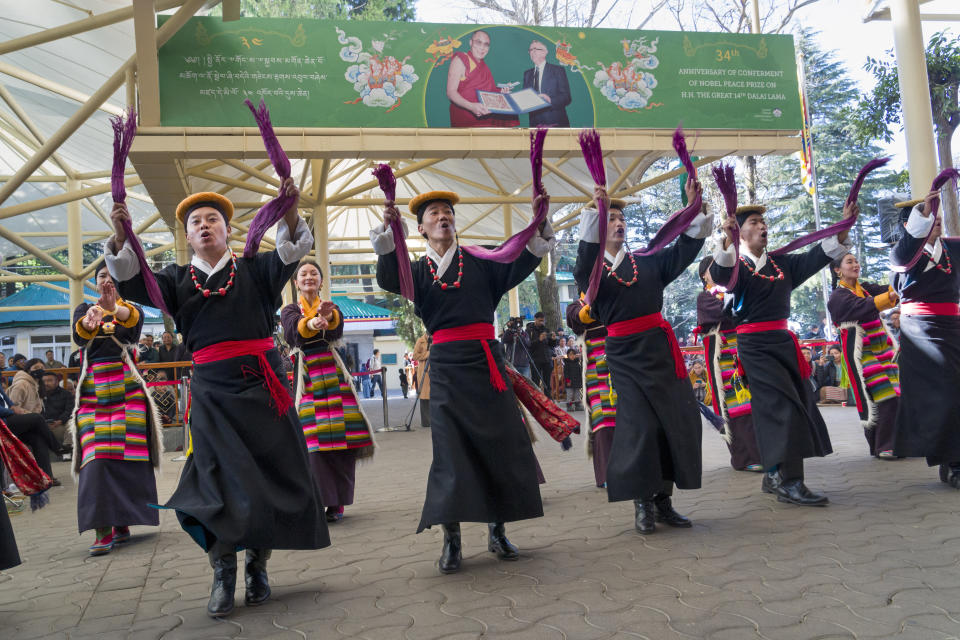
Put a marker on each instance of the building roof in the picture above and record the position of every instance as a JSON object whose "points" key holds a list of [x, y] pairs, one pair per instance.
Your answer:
{"points": [[36, 294]]}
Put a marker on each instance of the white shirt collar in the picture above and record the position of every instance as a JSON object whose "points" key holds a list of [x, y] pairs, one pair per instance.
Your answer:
{"points": [[758, 261], [444, 261], [936, 252], [617, 259], [202, 264]]}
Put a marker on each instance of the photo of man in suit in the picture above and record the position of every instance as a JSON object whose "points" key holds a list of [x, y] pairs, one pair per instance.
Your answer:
{"points": [[550, 81]]}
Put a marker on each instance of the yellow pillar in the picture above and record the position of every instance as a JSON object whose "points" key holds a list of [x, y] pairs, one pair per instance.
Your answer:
{"points": [[74, 247], [180, 244], [513, 296], [914, 94], [321, 230]]}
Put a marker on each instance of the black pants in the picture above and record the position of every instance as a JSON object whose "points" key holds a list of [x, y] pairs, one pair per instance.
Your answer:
{"points": [[425, 413], [32, 430], [541, 374]]}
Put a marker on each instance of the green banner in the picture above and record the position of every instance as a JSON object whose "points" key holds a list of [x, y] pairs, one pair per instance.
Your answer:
{"points": [[317, 73]]}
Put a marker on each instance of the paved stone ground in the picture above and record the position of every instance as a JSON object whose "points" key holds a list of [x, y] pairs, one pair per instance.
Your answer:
{"points": [[880, 561]]}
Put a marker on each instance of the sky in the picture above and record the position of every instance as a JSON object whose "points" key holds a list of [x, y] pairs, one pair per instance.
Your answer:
{"points": [[840, 23]]}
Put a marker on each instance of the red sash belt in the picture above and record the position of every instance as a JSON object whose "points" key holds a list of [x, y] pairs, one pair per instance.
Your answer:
{"points": [[645, 323], [478, 331], [930, 309], [779, 325], [279, 394]]}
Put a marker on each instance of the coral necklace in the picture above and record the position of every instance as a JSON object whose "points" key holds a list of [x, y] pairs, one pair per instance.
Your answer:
{"points": [[754, 272], [613, 273], [222, 291], [948, 269], [433, 271]]}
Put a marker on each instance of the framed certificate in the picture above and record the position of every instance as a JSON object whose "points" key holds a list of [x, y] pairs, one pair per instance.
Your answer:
{"points": [[523, 101]]}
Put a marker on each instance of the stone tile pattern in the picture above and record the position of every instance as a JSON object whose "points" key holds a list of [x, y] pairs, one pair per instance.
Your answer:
{"points": [[880, 561]]}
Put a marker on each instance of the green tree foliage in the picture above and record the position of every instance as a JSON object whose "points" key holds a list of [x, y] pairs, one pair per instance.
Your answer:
{"points": [[408, 325], [831, 96], [402, 10], [879, 110]]}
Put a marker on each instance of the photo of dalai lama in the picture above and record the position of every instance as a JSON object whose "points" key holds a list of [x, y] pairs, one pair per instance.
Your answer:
{"points": [[550, 81]]}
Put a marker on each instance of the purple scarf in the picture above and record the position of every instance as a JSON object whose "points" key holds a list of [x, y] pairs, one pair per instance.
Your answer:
{"points": [[124, 131], [514, 246], [671, 229], [726, 182], [273, 211], [388, 184], [942, 178], [837, 227]]}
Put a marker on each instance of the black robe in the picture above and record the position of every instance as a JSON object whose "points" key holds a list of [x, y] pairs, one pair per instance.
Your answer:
{"points": [[483, 467], [247, 482], [658, 434], [786, 420], [928, 418], [713, 319], [9, 556]]}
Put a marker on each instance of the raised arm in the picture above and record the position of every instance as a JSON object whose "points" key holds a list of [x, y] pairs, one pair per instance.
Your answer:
{"points": [[381, 237], [916, 230]]}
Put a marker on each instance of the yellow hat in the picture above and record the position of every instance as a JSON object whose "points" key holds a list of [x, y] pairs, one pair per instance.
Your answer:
{"points": [[908, 204], [204, 199], [418, 201], [617, 203], [745, 211]]}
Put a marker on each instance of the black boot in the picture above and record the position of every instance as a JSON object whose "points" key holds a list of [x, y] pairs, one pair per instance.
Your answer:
{"points": [[771, 481], [643, 519], [223, 559], [258, 586], [499, 544], [451, 555], [950, 473], [793, 490], [666, 514]]}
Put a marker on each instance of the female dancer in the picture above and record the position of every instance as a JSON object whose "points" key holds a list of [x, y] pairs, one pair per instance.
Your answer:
{"points": [[115, 426], [336, 431], [867, 351]]}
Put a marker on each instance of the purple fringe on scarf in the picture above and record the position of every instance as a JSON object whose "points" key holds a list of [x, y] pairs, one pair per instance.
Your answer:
{"points": [[388, 184], [726, 182], [273, 211], [679, 221], [942, 178], [514, 246], [837, 227], [593, 156], [123, 132]]}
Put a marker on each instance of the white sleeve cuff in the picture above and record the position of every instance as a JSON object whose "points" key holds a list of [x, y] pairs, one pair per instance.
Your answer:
{"points": [[834, 249], [124, 265], [294, 250], [590, 226], [726, 258], [542, 243], [919, 225], [701, 226], [381, 237]]}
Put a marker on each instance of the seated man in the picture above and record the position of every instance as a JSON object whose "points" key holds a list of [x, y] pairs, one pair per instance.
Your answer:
{"points": [[57, 405], [32, 430]]}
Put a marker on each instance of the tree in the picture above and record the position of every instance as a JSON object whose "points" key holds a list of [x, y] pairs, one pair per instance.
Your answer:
{"points": [[878, 111], [579, 13], [401, 10], [407, 324]]}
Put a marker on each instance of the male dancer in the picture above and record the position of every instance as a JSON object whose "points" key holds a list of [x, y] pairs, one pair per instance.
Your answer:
{"points": [[657, 440], [787, 422], [928, 418], [483, 466], [246, 482]]}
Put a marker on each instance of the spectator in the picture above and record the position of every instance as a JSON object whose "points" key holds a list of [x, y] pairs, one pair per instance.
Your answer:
{"points": [[146, 352], [560, 350], [75, 361], [57, 405], [404, 383], [573, 379], [50, 363], [3, 361], [32, 430], [16, 362], [893, 324], [25, 388], [375, 378], [169, 351], [698, 379], [541, 354], [421, 353], [828, 374], [365, 379], [537, 327], [516, 346], [165, 399], [70, 386]]}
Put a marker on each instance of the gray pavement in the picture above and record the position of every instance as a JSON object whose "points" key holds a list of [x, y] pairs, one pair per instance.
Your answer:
{"points": [[880, 561]]}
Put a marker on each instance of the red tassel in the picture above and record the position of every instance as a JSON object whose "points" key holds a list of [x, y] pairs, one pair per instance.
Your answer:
{"points": [[496, 380]]}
